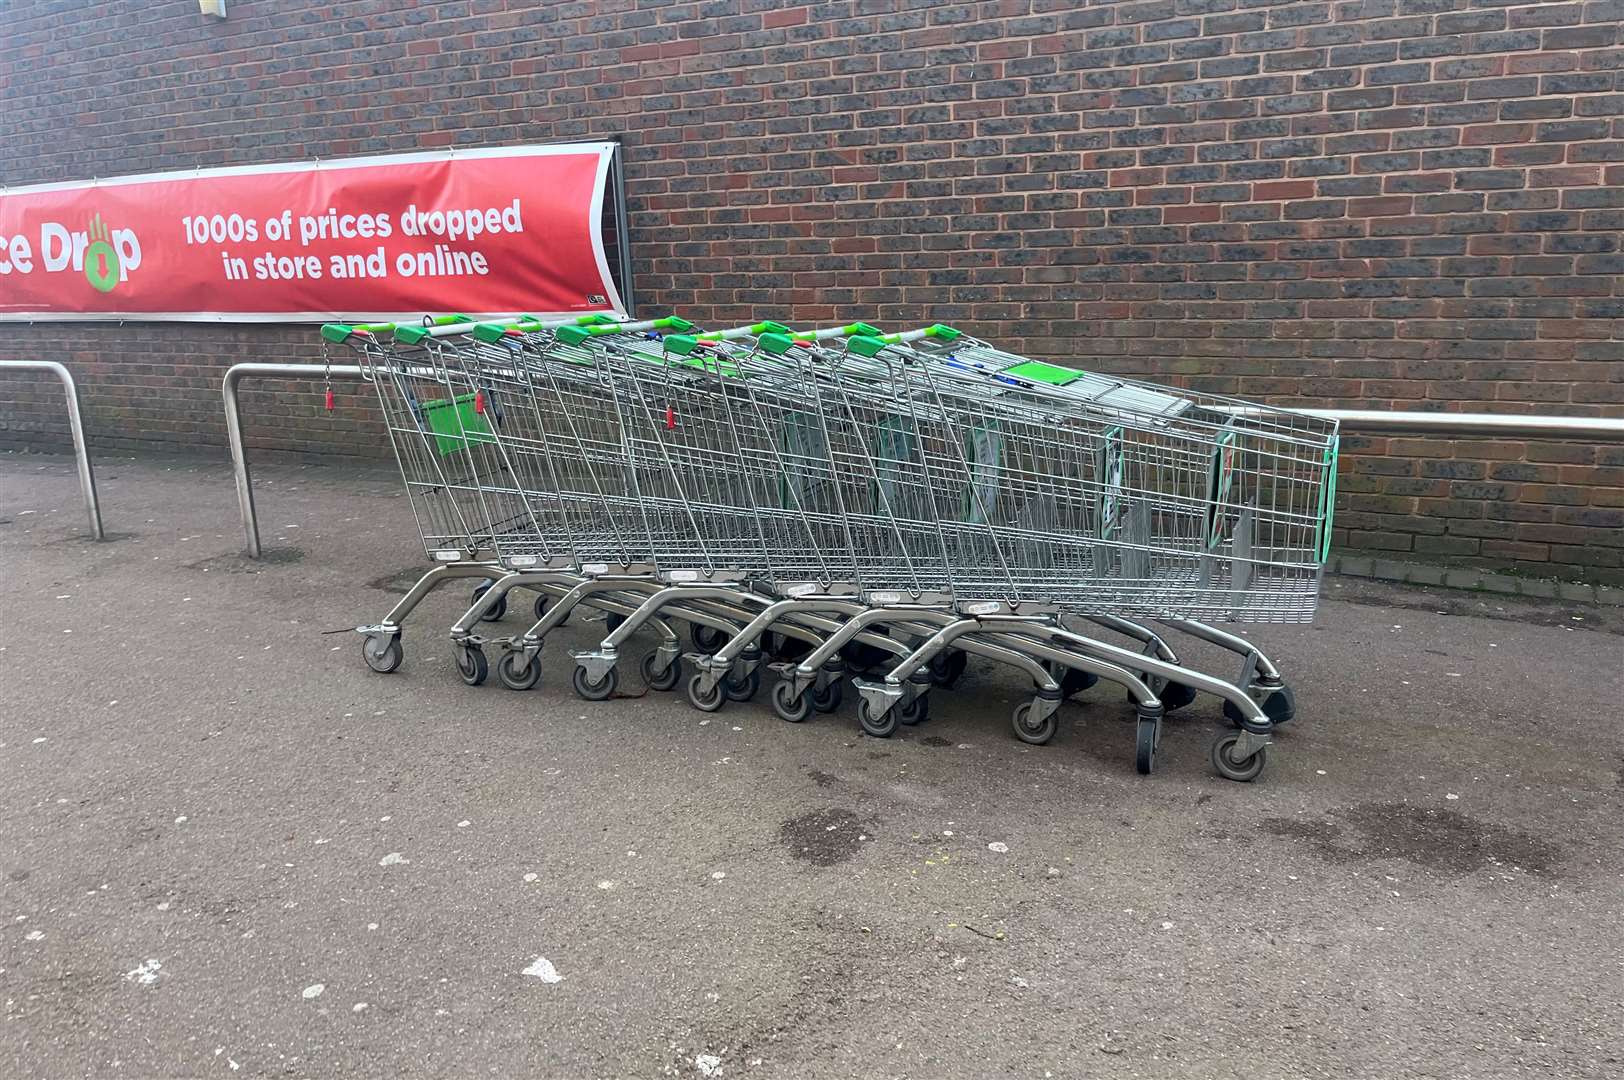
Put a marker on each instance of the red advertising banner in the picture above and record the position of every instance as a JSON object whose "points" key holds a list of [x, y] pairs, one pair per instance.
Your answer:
{"points": [[504, 231]]}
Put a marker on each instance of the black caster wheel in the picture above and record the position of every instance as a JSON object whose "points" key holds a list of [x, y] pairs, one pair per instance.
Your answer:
{"points": [[789, 649], [882, 726], [702, 700], [742, 689], [471, 665], [1175, 695], [382, 655], [1244, 770], [517, 673], [664, 680], [1073, 682], [494, 614], [829, 698], [1280, 707], [913, 712], [543, 602], [790, 706], [861, 656], [1172, 695], [707, 639], [947, 667], [1146, 738], [1035, 732], [601, 690]]}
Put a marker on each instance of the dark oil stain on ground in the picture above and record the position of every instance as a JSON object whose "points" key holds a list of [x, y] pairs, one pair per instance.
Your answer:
{"points": [[935, 740], [400, 581], [821, 778], [824, 837], [1438, 839]]}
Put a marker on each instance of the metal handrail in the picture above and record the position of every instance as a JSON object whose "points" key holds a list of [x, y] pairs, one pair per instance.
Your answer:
{"points": [[76, 424], [1466, 425], [239, 456]]}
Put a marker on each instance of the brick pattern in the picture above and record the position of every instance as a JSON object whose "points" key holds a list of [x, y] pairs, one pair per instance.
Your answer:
{"points": [[1383, 203]]}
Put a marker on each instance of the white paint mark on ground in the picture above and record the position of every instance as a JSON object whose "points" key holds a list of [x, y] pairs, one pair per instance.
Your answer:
{"points": [[606, 885], [33, 935], [39, 740], [359, 1006], [463, 824], [146, 974], [394, 858], [372, 926], [164, 906], [542, 968], [708, 1064], [181, 820], [530, 877], [719, 875], [998, 846], [314, 991]]}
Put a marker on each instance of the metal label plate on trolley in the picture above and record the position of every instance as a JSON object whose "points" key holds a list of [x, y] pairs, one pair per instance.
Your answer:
{"points": [[797, 589], [691, 577]]}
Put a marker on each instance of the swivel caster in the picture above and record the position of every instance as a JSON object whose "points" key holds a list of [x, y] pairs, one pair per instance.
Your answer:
{"points": [[601, 690], [1280, 707], [518, 673], [382, 655], [1242, 770], [702, 699], [471, 664], [882, 726], [1036, 732], [791, 707], [662, 680]]}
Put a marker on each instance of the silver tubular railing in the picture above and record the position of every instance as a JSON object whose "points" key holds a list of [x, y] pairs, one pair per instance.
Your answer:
{"points": [[76, 424], [239, 456], [1363, 421]]}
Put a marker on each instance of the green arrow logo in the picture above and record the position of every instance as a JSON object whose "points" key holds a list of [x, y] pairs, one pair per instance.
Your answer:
{"points": [[101, 260]]}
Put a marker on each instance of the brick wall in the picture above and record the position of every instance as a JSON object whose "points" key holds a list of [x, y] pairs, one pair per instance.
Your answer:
{"points": [[1384, 203]]}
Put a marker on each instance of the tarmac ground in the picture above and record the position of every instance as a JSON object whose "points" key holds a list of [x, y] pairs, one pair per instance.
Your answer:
{"points": [[229, 849]]}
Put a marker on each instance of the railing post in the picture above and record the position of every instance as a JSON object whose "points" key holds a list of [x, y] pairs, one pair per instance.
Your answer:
{"points": [[239, 453], [76, 424]]}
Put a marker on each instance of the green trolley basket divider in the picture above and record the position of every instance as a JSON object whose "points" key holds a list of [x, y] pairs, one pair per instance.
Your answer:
{"points": [[455, 423]]}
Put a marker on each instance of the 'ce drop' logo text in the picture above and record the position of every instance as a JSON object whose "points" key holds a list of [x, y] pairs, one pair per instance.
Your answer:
{"points": [[105, 256]]}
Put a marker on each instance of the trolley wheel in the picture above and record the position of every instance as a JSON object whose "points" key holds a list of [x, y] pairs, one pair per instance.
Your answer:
{"points": [[913, 712], [381, 655], [494, 614], [1280, 707], [791, 707], [614, 620], [1037, 733], [882, 726], [780, 647], [700, 699], [707, 639], [1176, 695], [1144, 748], [1243, 771], [742, 689], [664, 680], [861, 656], [828, 699], [1172, 695], [471, 665], [543, 602], [1073, 682], [516, 672], [601, 690], [947, 667]]}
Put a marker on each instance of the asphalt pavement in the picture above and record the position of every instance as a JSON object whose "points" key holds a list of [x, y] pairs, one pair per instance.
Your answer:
{"points": [[228, 849]]}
